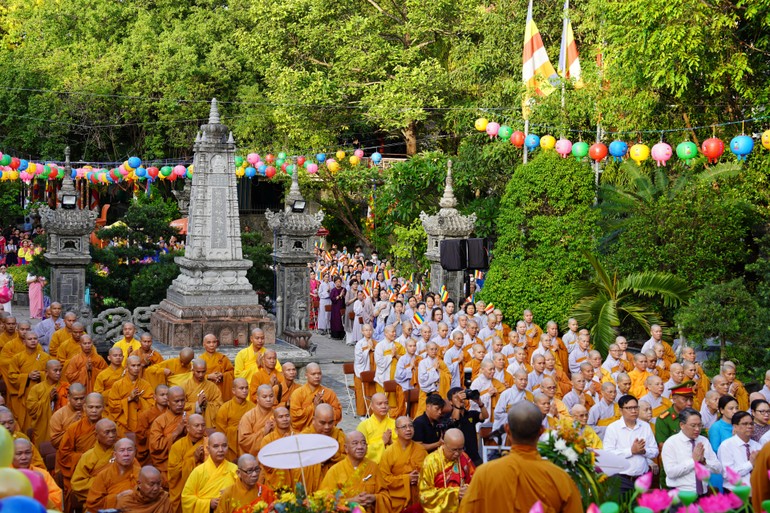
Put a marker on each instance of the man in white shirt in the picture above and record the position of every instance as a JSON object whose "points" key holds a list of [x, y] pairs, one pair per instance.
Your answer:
{"points": [[739, 451], [682, 450], [632, 440]]}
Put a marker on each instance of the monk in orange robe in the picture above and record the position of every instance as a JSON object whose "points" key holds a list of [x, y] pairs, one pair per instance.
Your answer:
{"points": [[85, 365], [9, 333], [323, 423], [308, 396], [220, 368], [13, 334], [202, 396], [23, 451], [147, 497], [146, 353], [265, 375], [187, 453], [230, 414], [171, 372], [257, 422], [95, 459], [400, 470], [146, 418], [114, 371], [67, 415], [117, 477], [284, 390], [44, 398], [245, 491], [169, 427], [79, 438], [279, 479], [25, 370], [128, 397], [70, 348], [356, 476], [62, 335], [9, 423]]}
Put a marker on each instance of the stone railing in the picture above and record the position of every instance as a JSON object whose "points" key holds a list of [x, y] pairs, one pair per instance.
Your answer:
{"points": [[108, 325]]}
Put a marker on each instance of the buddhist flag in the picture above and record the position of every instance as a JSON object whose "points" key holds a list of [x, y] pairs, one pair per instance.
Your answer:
{"points": [[490, 308], [417, 290], [404, 288], [537, 71], [478, 275], [418, 319], [569, 62], [387, 274], [393, 297], [444, 294]]}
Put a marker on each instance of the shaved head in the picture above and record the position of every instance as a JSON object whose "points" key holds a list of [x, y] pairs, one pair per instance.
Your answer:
{"points": [[525, 423], [186, 355]]}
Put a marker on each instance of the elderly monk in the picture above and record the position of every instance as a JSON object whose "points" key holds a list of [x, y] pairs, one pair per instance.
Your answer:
{"points": [[146, 353], [267, 374], [128, 397], [400, 470], [44, 399], [257, 422], [357, 476], [445, 475], [323, 423], [245, 491], [146, 418], [62, 335], [284, 390], [25, 370], [114, 371], [278, 479], [120, 475], [166, 429], [69, 348], [379, 429], [310, 395], [9, 423], [95, 459], [580, 414], [202, 396], [22, 458], [67, 415], [128, 343], [203, 489], [147, 497], [220, 368], [522, 477], [231, 413], [187, 453], [171, 372], [249, 359], [85, 365]]}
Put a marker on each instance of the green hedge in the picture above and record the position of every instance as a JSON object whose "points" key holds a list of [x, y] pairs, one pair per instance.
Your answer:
{"points": [[19, 274]]}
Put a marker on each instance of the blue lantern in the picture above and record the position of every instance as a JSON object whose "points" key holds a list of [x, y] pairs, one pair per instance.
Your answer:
{"points": [[140, 171], [134, 162], [742, 145], [251, 172], [618, 150], [532, 142], [262, 168], [376, 157], [23, 165], [321, 158]]}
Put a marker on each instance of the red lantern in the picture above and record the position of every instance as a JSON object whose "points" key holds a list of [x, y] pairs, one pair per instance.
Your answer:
{"points": [[300, 161], [270, 171], [713, 148], [517, 138], [54, 174], [15, 163], [597, 151], [153, 172], [283, 166], [173, 176], [269, 158]]}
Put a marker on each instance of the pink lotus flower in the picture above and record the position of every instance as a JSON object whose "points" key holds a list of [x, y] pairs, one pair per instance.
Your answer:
{"points": [[536, 508], [692, 508], [656, 500], [733, 477], [643, 482], [593, 508], [674, 494], [701, 472], [734, 501], [715, 504]]}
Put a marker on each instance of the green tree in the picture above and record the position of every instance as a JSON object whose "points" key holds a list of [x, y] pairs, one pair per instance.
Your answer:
{"points": [[607, 302], [546, 217]]}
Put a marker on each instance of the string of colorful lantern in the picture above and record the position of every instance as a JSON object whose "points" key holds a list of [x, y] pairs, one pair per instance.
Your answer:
{"points": [[712, 148], [253, 164]]}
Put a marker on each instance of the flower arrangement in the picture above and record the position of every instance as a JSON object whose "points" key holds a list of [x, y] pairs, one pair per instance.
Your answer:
{"points": [[300, 502], [566, 447]]}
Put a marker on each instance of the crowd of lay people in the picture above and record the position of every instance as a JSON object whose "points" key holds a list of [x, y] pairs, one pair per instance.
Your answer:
{"points": [[138, 432]]}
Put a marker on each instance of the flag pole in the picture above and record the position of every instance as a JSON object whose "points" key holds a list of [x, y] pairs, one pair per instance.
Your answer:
{"points": [[526, 133]]}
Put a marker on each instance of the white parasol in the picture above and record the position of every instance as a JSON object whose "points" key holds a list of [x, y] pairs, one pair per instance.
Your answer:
{"points": [[610, 463], [298, 451]]}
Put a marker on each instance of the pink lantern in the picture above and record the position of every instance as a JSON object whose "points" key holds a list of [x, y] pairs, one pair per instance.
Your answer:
{"points": [[661, 152], [492, 129], [252, 158], [180, 170], [359, 153], [563, 147], [312, 168]]}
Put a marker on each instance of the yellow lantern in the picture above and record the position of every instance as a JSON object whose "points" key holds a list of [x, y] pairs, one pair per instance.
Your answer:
{"points": [[340, 155], [333, 166], [547, 142], [766, 139], [639, 153], [481, 124], [354, 160]]}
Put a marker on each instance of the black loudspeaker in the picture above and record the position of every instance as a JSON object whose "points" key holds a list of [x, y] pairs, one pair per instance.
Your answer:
{"points": [[454, 254], [478, 254]]}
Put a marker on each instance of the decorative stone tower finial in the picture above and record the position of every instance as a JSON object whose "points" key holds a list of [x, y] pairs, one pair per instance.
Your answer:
{"points": [[214, 113], [448, 200], [67, 185], [294, 193]]}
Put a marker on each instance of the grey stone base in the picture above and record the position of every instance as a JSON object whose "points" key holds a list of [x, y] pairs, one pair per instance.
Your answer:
{"points": [[180, 326], [300, 339]]}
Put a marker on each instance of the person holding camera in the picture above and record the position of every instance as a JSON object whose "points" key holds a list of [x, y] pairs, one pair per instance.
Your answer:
{"points": [[466, 420]]}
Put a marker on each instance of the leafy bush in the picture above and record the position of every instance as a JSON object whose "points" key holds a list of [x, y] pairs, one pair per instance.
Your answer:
{"points": [[546, 218], [19, 275], [260, 275]]}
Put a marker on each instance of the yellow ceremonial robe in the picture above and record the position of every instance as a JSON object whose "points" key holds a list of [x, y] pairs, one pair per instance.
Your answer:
{"points": [[638, 388], [21, 365], [107, 484], [217, 362], [181, 462], [206, 482], [58, 338], [251, 429], [60, 421], [246, 363], [161, 439], [40, 408], [123, 412], [91, 463], [396, 491], [237, 496], [227, 420], [106, 378], [262, 377], [6, 337], [352, 480], [179, 373], [76, 370], [127, 346], [68, 350], [146, 418], [439, 499], [148, 359], [193, 390], [278, 479], [373, 429], [302, 407], [314, 474]]}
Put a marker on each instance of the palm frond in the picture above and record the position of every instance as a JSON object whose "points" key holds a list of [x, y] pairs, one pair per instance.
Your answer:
{"points": [[723, 170], [603, 331], [602, 278], [672, 289]]}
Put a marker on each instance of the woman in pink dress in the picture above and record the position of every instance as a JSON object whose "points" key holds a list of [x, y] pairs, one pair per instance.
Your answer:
{"points": [[35, 284]]}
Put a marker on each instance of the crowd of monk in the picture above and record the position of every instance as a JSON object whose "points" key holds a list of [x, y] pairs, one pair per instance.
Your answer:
{"points": [[142, 433]]}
